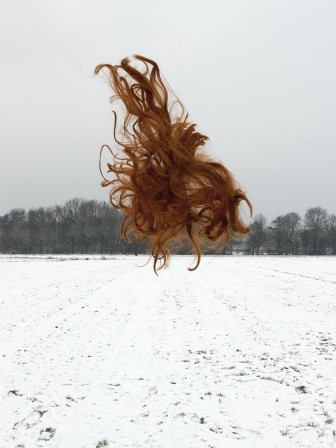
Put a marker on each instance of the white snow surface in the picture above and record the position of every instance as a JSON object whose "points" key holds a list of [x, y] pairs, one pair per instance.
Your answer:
{"points": [[103, 353]]}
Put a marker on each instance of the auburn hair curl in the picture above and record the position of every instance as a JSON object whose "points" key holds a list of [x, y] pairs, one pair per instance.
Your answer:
{"points": [[169, 190]]}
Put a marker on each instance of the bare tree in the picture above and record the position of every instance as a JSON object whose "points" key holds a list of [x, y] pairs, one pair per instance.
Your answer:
{"points": [[36, 221], [277, 230], [292, 222], [17, 230], [258, 233], [316, 221], [71, 214], [332, 234]]}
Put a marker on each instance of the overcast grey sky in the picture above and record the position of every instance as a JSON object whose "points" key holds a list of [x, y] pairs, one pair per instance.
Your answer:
{"points": [[258, 77]]}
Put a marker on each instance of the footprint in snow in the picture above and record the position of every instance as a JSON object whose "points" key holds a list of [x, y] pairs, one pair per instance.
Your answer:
{"points": [[47, 433]]}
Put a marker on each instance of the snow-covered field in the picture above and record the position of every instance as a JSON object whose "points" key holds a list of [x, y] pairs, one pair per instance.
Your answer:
{"points": [[103, 353]]}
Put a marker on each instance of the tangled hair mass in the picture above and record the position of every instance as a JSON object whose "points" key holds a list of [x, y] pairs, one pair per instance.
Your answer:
{"points": [[169, 190]]}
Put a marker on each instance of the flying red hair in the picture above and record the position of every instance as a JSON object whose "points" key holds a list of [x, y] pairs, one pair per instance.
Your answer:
{"points": [[169, 191]]}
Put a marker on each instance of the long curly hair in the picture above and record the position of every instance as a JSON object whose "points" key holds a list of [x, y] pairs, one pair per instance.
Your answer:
{"points": [[170, 191]]}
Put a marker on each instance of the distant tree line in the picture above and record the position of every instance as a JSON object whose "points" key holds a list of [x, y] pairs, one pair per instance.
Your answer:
{"points": [[315, 234], [91, 226], [79, 226]]}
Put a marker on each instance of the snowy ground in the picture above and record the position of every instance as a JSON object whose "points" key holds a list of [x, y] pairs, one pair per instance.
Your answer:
{"points": [[239, 353]]}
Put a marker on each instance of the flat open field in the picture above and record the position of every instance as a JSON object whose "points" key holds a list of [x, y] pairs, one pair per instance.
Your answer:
{"points": [[103, 353]]}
